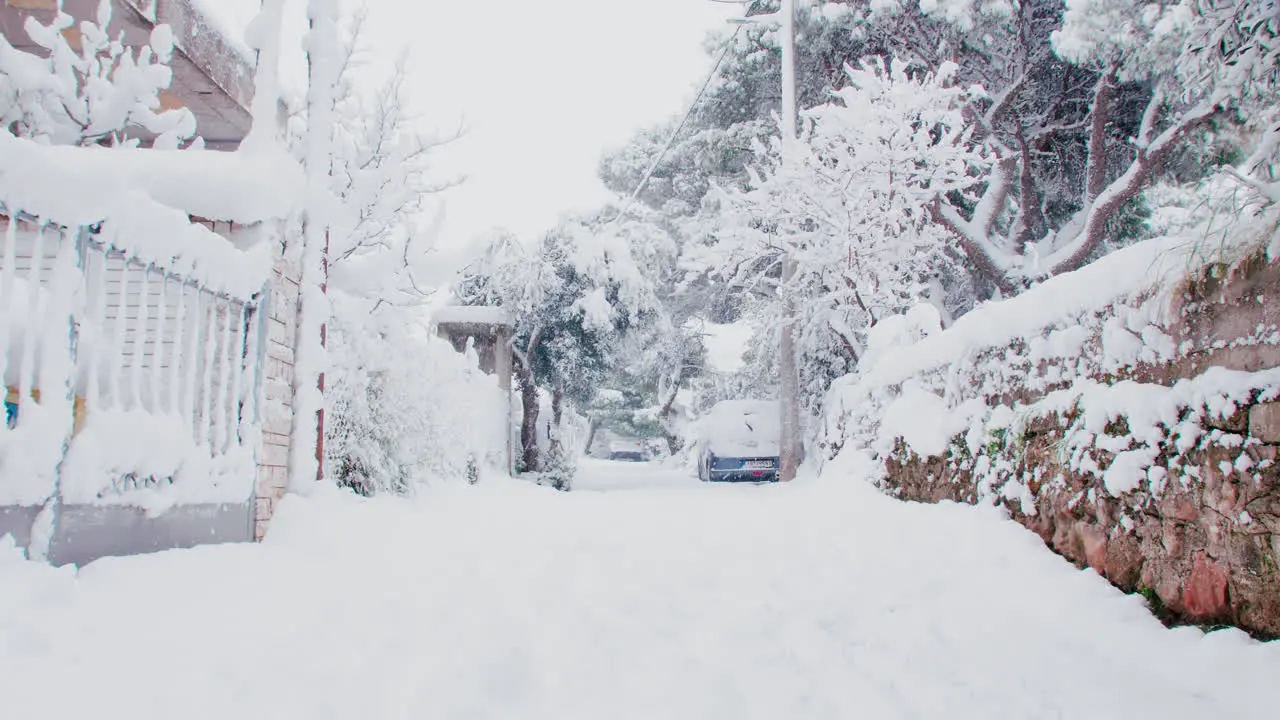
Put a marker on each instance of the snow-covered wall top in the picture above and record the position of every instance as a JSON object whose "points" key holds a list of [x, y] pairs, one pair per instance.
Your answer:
{"points": [[81, 186], [473, 315], [1121, 275], [1121, 338]]}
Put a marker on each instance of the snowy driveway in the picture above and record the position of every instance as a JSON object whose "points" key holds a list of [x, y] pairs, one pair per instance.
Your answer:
{"points": [[674, 599]]}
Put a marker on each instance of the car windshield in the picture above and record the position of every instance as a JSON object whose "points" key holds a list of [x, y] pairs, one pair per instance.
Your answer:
{"points": [[743, 428]]}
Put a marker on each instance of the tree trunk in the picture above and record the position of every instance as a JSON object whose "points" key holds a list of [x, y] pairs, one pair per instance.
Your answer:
{"points": [[557, 418], [529, 422], [593, 426], [664, 417], [1095, 173]]}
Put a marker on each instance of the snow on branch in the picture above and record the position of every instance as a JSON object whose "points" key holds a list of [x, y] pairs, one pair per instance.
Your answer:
{"points": [[99, 92]]}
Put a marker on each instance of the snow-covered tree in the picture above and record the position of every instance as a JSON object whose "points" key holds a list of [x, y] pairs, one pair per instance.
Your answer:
{"points": [[573, 295], [88, 88], [852, 210], [391, 421], [1161, 78]]}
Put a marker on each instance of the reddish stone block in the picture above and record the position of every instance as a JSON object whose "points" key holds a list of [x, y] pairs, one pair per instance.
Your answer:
{"points": [[1093, 541], [1185, 510], [1264, 422], [1124, 561], [1205, 596]]}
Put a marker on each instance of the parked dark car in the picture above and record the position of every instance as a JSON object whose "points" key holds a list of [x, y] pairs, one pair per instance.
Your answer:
{"points": [[628, 449], [739, 442]]}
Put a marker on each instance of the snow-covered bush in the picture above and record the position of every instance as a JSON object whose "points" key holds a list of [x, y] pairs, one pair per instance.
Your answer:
{"points": [[404, 408], [93, 93]]}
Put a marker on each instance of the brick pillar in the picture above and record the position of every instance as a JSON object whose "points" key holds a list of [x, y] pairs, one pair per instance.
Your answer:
{"points": [[277, 417]]}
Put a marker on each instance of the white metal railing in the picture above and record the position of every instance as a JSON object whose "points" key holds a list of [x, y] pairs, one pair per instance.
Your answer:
{"points": [[125, 382]]}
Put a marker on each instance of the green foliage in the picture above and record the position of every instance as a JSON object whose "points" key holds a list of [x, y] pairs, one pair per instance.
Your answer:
{"points": [[560, 471], [995, 444]]}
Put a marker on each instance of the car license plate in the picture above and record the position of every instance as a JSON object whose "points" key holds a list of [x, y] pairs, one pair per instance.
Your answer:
{"points": [[759, 465]]}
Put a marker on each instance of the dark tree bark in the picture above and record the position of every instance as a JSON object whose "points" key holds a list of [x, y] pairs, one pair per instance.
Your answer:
{"points": [[557, 418], [529, 420], [664, 420], [529, 400]]}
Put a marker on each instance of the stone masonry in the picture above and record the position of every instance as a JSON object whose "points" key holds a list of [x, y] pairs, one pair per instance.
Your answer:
{"points": [[278, 373], [1201, 540]]}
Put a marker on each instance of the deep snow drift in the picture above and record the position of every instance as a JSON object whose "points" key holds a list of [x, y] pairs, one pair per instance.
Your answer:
{"points": [[675, 600]]}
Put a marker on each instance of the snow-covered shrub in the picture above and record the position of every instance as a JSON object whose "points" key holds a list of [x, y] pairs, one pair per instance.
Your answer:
{"points": [[93, 93], [404, 408], [559, 470]]}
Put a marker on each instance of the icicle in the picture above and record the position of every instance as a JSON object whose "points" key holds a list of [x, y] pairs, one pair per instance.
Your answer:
{"points": [[220, 429], [31, 335], [157, 347], [193, 363], [8, 280], [206, 397], [56, 374], [236, 352], [175, 358], [140, 340], [117, 360], [99, 323], [249, 393]]}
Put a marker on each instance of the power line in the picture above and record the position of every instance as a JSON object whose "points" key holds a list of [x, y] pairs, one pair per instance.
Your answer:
{"points": [[679, 128]]}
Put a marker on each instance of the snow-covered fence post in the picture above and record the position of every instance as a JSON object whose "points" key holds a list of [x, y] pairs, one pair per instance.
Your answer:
{"points": [[56, 378], [323, 47], [117, 360], [8, 279], [140, 339]]}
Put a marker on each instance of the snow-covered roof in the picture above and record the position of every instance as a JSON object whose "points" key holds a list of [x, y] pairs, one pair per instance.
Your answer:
{"points": [[81, 186], [231, 18], [473, 315]]}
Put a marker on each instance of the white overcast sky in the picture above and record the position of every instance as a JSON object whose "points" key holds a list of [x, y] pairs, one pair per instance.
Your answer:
{"points": [[542, 86]]}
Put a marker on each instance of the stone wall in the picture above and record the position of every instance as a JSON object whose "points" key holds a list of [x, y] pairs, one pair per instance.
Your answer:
{"points": [[1199, 534]]}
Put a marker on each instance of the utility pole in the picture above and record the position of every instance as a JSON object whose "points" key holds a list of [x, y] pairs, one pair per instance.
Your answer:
{"points": [[792, 448]]}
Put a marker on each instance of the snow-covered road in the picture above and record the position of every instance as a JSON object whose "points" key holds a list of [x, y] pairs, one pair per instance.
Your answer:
{"points": [[673, 599]]}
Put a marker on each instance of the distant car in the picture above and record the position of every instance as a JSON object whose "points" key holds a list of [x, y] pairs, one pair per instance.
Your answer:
{"points": [[628, 450], [740, 441]]}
